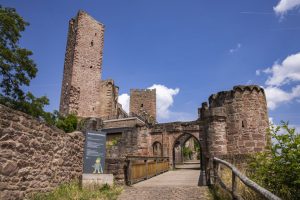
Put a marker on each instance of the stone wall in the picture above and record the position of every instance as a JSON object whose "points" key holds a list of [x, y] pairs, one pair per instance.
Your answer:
{"points": [[143, 103], [122, 123], [117, 167], [108, 99], [83, 66], [83, 92], [35, 157], [245, 110]]}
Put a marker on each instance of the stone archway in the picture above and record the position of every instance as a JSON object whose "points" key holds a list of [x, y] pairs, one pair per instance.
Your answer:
{"points": [[178, 146]]}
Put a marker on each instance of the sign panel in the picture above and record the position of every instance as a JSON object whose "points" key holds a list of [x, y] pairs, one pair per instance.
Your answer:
{"points": [[94, 152]]}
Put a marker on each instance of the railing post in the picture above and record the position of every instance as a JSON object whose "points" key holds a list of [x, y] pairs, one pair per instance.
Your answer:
{"points": [[146, 167], [129, 172], [155, 166], [215, 171], [234, 186]]}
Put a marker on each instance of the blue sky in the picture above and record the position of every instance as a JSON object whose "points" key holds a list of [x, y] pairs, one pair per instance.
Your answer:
{"points": [[190, 49]]}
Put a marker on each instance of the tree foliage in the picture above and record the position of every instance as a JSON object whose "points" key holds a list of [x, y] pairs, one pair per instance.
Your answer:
{"points": [[68, 123], [278, 169], [17, 69], [16, 66]]}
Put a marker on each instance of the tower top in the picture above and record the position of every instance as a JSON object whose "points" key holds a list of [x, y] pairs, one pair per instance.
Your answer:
{"points": [[84, 13]]}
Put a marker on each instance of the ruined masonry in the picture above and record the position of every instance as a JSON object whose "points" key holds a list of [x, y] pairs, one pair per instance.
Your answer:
{"points": [[232, 122], [36, 157]]}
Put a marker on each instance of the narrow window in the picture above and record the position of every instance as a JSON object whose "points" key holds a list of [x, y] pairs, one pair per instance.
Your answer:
{"points": [[243, 124], [142, 105], [95, 34], [92, 43]]}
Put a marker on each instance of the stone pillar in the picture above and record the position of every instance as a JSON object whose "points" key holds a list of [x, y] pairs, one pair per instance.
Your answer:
{"points": [[216, 136]]}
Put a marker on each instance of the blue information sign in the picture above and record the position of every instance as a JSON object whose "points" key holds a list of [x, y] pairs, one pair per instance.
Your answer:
{"points": [[94, 152]]}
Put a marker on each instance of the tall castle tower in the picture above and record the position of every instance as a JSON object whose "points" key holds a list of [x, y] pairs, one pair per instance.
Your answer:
{"points": [[83, 92]]}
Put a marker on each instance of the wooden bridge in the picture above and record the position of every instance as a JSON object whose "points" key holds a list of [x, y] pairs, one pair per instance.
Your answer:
{"points": [[150, 178]]}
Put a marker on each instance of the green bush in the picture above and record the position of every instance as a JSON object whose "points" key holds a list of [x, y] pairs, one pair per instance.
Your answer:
{"points": [[278, 169], [68, 123], [187, 152]]}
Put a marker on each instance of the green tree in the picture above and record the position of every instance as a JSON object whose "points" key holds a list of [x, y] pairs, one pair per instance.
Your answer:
{"points": [[278, 169], [16, 66]]}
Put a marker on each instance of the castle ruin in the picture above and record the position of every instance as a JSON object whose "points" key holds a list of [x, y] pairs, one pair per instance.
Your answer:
{"points": [[37, 157], [231, 123]]}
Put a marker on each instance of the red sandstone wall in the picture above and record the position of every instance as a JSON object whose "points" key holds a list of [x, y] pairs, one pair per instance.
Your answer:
{"points": [[246, 114], [143, 101], [35, 157], [83, 67]]}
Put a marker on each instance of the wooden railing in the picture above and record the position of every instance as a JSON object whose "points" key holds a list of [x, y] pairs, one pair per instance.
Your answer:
{"points": [[236, 173], [141, 168]]}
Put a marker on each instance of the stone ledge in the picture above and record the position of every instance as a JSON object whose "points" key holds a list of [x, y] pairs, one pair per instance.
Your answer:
{"points": [[93, 180]]}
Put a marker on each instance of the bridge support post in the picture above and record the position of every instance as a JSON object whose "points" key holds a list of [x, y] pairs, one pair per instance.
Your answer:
{"points": [[202, 178], [146, 168]]}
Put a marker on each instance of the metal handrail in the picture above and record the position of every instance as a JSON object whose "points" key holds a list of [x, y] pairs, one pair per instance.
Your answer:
{"points": [[236, 173]]}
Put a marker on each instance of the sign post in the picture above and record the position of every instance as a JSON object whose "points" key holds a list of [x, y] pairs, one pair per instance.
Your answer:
{"points": [[94, 152], [94, 160]]}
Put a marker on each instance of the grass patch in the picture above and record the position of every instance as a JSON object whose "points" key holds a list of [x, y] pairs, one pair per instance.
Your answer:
{"points": [[243, 191], [73, 191]]}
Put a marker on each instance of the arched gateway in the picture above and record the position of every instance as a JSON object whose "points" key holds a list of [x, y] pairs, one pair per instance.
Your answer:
{"points": [[225, 126], [232, 122]]}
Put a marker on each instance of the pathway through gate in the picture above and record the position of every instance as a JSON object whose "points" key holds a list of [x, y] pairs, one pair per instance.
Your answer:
{"points": [[178, 184]]}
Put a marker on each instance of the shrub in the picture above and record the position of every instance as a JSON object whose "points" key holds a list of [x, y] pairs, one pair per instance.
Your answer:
{"points": [[278, 169], [187, 152], [68, 123]]}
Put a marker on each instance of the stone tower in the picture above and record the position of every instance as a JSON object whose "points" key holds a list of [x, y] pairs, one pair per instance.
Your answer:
{"points": [[83, 92], [237, 121], [143, 103]]}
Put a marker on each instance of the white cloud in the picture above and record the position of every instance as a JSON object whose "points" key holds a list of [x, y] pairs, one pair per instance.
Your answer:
{"points": [[164, 99], [249, 82], [238, 46], [257, 72], [285, 74], [276, 96], [124, 100], [271, 121], [285, 5], [287, 71]]}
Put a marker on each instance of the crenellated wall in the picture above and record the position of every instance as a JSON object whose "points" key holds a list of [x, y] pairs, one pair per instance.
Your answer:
{"points": [[245, 115]]}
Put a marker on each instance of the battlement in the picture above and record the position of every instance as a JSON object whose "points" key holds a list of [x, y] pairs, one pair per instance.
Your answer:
{"points": [[220, 98], [250, 88], [245, 115], [142, 90]]}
